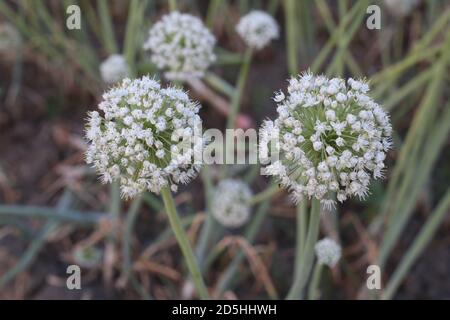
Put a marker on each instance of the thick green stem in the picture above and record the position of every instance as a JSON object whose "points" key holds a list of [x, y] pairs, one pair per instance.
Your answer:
{"points": [[183, 242], [303, 269], [107, 27], [313, 291], [291, 35], [302, 220]]}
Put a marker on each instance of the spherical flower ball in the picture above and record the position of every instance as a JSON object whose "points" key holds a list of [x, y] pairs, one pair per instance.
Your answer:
{"points": [[400, 8], [257, 29], [181, 45], [145, 136], [9, 37], [231, 203], [330, 138], [328, 252], [114, 69]]}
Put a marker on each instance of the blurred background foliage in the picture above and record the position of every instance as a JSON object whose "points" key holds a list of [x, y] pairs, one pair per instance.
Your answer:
{"points": [[54, 213]]}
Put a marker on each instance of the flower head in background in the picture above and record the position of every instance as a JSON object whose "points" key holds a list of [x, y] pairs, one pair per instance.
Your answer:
{"points": [[9, 37], [257, 29], [181, 45], [328, 252], [231, 203], [114, 69], [400, 8], [145, 137], [332, 138]]}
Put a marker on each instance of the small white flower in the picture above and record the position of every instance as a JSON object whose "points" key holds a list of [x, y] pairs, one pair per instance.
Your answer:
{"points": [[130, 144], [279, 96], [257, 29], [114, 69], [181, 46], [231, 203], [328, 252], [333, 139]]}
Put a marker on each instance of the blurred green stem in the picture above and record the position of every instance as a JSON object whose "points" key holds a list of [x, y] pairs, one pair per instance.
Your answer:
{"points": [[219, 84], [291, 35], [419, 244], [130, 221], [82, 218], [304, 264], [172, 5], [265, 194], [183, 242], [136, 11], [210, 224], [107, 27], [313, 290], [213, 9], [236, 99]]}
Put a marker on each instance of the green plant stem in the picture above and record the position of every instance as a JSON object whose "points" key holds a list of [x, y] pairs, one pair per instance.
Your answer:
{"points": [[419, 244], [313, 290], [265, 194], [183, 242], [302, 220], [172, 5], [136, 11], [349, 19], [219, 84], [413, 186], [303, 269], [82, 218], [114, 208], [236, 99], [107, 27], [210, 225], [291, 35], [153, 202], [213, 9], [345, 37], [325, 12], [130, 221]]}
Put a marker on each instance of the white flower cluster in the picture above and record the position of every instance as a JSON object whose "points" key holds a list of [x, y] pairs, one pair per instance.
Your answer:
{"points": [[257, 29], [330, 137], [9, 37], [114, 69], [181, 45], [146, 139], [400, 8], [231, 203], [328, 252]]}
